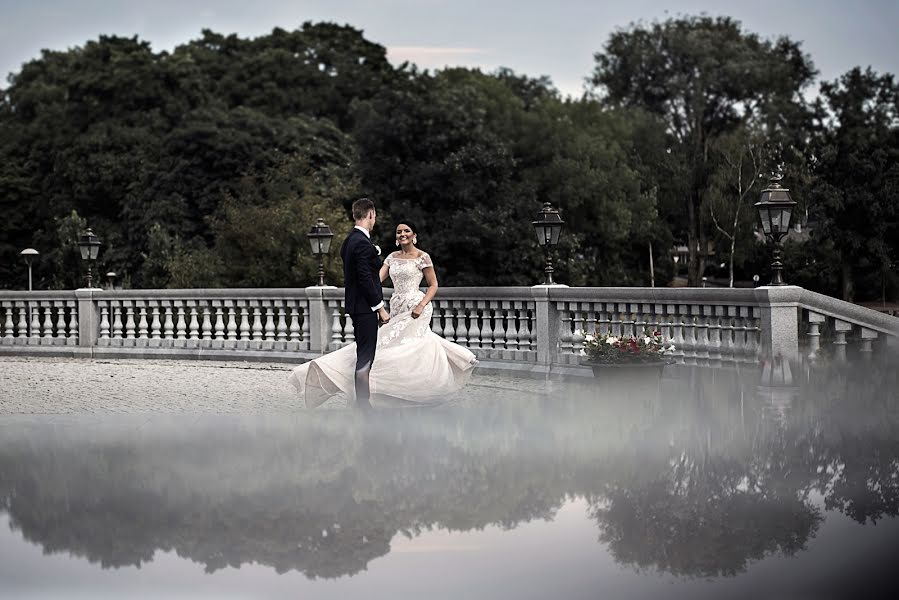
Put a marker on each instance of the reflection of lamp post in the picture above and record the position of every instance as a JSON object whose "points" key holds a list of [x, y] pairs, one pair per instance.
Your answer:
{"points": [[548, 227], [775, 209], [89, 244], [320, 239], [29, 254]]}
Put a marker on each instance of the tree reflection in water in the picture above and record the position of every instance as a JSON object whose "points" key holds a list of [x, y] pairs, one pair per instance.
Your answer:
{"points": [[700, 480]]}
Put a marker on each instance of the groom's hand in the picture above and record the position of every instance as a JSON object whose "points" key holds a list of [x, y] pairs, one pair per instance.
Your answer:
{"points": [[383, 316]]}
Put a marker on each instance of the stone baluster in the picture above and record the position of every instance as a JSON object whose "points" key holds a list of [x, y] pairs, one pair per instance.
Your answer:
{"points": [[46, 330], [436, 320], [840, 328], [348, 332], [449, 327], [117, 328], [244, 331], [35, 316], [511, 329], [281, 331], [814, 334], [295, 331], [688, 320], [754, 333], [676, 320], [499, 327], [577, 336], [614, 320], [487, 334], [73, 337], [867, 337], [462, 325], [130, 326], [8, 328], [168, 325], [603, 323], [474, 331], [104, 324], [206, 330], [257, 330], [180, 325], [524, 330], [61, 333], [143, 327], [305, 333], [22, 325], [336, 329], [714, 314], [270, 325], [219, 324], [194, 323], [231, 335], [155, 325], [566, 337], [640, 322]]}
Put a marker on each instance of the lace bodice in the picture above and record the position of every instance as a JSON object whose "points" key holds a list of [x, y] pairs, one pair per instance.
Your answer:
{"points": [[406, 273]]}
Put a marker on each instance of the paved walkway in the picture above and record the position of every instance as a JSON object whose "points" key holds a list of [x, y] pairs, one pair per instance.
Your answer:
{"points": [[67, 386]]}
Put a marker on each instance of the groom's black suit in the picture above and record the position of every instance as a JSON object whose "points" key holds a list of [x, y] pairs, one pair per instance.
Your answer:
{"points": [[362, 285]]}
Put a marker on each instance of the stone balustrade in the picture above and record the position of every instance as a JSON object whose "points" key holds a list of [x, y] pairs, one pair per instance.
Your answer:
{"points": [[539, 329]]}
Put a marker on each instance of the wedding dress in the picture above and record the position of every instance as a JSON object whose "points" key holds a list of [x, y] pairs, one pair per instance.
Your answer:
{"points": [[413, 365]]}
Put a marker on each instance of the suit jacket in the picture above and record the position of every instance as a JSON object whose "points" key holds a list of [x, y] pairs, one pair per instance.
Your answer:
{"points": [[360, 274]]}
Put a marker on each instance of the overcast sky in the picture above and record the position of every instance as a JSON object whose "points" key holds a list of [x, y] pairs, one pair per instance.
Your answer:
{"points": [[546, 37]]}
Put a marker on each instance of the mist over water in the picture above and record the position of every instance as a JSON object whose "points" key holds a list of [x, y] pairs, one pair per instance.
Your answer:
{"points": [[710, 481]]}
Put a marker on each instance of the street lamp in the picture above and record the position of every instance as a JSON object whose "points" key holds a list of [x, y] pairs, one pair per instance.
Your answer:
{"points": [[320, 239], [89, 244], [548, 227], [29, 254], [110, 278], [775, 210]]}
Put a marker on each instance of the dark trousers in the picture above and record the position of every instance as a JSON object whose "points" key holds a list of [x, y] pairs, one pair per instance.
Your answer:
{"points": [[365, 328]]}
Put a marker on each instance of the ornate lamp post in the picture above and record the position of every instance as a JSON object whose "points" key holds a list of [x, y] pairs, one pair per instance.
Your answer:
{"points": [[89, 244], [29, 254], [775, 210], [548, 227], [320, 239]]}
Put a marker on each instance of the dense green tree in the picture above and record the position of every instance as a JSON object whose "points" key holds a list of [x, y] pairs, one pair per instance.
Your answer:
{"points": [[856, 196], [704, 76]]}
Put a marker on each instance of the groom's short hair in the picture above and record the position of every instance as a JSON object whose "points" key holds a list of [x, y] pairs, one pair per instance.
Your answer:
{"points": [[361, 208]]}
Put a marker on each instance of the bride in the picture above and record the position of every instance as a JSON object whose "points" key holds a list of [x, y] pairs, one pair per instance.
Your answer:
{"points": [[413, 365]]}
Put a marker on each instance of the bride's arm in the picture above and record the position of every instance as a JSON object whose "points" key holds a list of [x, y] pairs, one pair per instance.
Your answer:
{"points": [[431, 278], [384, 271]]}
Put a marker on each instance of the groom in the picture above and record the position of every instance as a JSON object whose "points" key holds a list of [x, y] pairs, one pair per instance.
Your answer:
{"points": [[364, 301]]}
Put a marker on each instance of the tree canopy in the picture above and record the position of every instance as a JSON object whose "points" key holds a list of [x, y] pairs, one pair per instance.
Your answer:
{"points": [[206, 165]]}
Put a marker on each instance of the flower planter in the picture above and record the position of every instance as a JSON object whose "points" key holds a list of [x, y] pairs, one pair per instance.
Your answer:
{"points": [[627, 369]]}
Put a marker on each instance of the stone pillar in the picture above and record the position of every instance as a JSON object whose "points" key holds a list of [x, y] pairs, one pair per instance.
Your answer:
{"points": [[779, 307], [319, 319], [88, 317], [546, 326]]}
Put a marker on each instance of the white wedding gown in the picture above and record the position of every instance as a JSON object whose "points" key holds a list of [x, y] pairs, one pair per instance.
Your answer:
{"points": [[413, 365]]}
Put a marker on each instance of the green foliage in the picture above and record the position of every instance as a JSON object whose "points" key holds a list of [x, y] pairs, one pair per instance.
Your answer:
{"points": [[205, 166], [704, 77], [856, 190]]}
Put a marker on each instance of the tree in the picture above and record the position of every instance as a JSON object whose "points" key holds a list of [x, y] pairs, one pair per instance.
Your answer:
{"points": [[703, 76], [855, 198], [733, 186]]}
